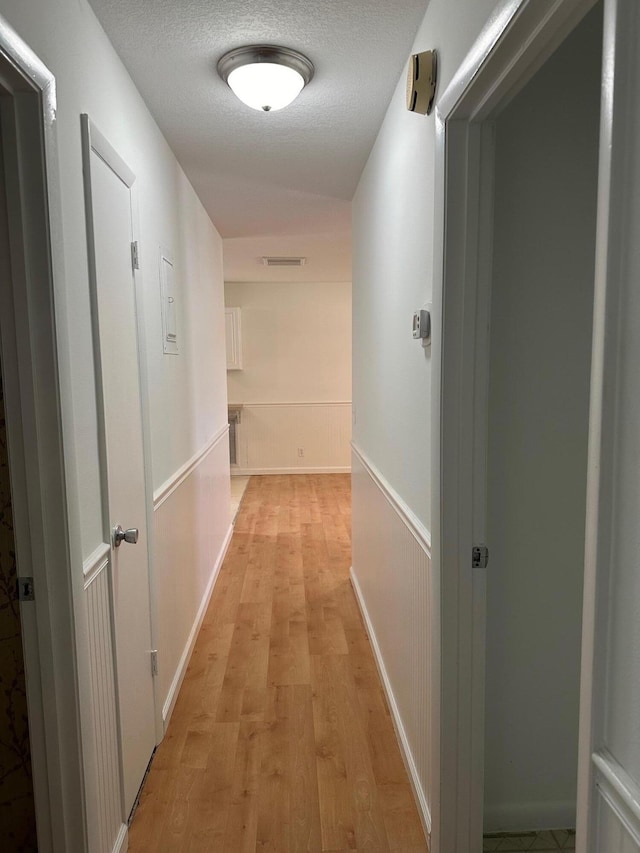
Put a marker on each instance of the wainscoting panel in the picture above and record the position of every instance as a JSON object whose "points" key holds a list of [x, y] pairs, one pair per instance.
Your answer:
{"points": [[106, 825], [192, 530], [617, 804], [192, 525], [392, 579], [271, 435], [614, 832]]}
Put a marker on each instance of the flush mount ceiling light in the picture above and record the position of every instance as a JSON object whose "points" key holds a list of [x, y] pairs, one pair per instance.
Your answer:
{"points": [[264, 76]]}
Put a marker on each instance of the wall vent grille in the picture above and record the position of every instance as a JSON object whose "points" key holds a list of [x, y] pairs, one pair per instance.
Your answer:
{"points": [[234, 420], [283, 262], [233, 446]]}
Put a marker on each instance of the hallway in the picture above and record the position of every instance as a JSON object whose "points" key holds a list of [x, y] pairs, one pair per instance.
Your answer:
{"points": [[281, 738]]}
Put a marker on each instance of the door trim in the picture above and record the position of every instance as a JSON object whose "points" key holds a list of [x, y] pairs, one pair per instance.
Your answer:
{"points": [[518, 38], [38, 387], [598, 770]]}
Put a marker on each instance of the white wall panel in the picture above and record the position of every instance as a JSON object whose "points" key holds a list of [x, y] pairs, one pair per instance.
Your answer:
{"points": [[392, 577], [106, 824], [270, 435], [614, 832], [192, 530]]}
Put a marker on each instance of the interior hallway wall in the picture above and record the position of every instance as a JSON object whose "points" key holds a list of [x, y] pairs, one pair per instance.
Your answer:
{"points": [[393, 277], [295, 382], [546, 184], [393, 269], [188, 392], [187, 399]]}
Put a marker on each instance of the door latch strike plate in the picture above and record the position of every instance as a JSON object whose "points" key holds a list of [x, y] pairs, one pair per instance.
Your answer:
{"points": [[479, 557], [26, 591], [154, 662]]}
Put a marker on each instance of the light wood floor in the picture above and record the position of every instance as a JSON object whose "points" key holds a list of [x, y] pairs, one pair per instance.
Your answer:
{"points": [[281, 738]]}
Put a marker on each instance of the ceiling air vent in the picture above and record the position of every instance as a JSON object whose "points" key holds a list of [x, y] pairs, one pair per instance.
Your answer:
{"points": [[284, 262]]}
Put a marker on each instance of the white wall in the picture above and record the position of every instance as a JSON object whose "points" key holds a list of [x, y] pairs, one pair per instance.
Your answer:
{"points": [[188, 392], [90, 78], [541, 322], [296, 342], [392, 277], [393, 267], [397, 608], [295, 382]]}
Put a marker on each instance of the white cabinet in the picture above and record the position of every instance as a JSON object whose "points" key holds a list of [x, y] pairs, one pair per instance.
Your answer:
{"points": [[234, 338]]}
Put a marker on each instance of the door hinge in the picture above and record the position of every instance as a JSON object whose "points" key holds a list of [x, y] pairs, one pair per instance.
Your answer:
{"points": [[154, 662], [135, 257], [479, 557], [26, 590]]}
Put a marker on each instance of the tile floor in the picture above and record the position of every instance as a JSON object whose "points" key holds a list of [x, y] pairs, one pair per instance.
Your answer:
{"points": [[238, 486], [510, 842]]}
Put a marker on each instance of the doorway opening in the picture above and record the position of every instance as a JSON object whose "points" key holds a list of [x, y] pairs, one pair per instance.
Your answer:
{"points": [[33, 339], [519, 144], [539, 368], [17, 806]]}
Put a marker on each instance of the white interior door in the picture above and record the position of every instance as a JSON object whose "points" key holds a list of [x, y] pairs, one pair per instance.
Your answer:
{"points": [[115, 306], [609, 774]]}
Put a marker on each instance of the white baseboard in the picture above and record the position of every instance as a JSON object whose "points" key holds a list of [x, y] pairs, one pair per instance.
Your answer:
{"points": [[172, 695], [250, 472], [421, 800], [529, 816], [122, 841]]}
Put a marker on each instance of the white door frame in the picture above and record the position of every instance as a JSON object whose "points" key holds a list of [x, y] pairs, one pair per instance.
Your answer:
{"points": [[518, 38], [600, 776], [34, 339]]}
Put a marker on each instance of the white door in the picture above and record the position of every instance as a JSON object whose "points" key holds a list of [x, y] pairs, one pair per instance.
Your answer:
{"points": [[609, 774], [115, 311]]}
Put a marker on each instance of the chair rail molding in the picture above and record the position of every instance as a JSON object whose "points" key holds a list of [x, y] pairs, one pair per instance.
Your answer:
{"points": [[95, 563], [408, 517], [171, 484]]}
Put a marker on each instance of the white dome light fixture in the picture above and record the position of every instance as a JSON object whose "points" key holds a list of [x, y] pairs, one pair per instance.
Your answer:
{"points": [[265, 77]]}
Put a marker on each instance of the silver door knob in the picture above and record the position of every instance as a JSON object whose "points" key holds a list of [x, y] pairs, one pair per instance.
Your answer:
{"points": [[120, 535]]}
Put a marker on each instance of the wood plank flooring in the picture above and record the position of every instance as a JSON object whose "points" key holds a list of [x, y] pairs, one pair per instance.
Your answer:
{"points": [[281, 738]]}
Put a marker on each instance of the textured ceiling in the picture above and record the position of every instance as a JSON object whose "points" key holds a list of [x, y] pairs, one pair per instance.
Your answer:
{"points": [[286, 173]]}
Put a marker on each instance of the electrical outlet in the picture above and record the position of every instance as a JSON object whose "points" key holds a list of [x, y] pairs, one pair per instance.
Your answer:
{"points": [[301, 451]]}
